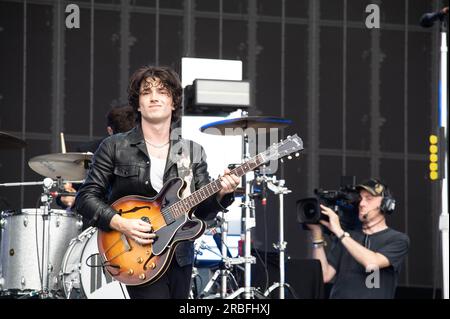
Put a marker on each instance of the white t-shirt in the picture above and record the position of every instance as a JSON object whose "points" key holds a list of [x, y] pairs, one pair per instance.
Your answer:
{"points": [[157, 172]]}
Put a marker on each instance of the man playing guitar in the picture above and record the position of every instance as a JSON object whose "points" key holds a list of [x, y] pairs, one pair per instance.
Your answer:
{"points": [[139, 162]]}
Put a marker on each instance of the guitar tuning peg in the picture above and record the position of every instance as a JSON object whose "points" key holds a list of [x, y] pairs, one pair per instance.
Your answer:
{"points": [[297, 154], [290, 157], [281, 160]]}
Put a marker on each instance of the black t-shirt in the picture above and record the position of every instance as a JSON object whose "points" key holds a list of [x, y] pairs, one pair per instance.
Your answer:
{"points": [[352, 281]]}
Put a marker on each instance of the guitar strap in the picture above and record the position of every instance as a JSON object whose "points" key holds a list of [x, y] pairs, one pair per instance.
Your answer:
{"points": [[184, 167]]}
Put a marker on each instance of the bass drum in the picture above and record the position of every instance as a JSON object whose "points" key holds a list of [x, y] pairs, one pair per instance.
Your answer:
{"points": [[82, 276]]}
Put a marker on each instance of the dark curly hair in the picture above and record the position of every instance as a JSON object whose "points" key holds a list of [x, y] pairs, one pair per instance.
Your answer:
{"points": [[169, 79]]}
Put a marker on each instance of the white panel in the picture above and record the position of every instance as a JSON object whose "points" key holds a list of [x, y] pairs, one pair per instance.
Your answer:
{"points": [[220, 151]]}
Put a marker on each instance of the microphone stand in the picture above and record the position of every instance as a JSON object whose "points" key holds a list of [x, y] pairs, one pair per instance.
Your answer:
{"points": [[443, 107]]}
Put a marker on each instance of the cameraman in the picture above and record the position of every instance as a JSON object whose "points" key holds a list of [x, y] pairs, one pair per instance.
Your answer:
{"points": [[365, 263]]}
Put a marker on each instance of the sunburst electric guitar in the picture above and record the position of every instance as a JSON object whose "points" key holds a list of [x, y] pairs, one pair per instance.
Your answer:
{"points": [[172, 221]]}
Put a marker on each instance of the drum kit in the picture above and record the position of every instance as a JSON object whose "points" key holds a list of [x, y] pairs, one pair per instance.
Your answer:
{"points": [[45, 253]]}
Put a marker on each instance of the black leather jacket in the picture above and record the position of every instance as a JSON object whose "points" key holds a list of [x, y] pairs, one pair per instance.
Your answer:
{"points": [[121, 167]]}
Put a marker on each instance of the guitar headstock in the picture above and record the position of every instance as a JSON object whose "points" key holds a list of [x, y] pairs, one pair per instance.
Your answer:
{"points": [[284, 148]]}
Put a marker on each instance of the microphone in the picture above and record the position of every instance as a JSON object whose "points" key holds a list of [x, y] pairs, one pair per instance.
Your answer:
{"points": [[366, 215], [428, 19]]}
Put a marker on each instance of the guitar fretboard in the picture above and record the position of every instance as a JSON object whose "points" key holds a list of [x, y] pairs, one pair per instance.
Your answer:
{"points": [[185, 205]]}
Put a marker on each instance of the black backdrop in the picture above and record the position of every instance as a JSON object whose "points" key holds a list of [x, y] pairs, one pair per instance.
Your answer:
{"points": [[363, 100]]}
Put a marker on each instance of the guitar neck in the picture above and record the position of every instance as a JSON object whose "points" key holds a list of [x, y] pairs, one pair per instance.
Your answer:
{"points": [[186, 204]]}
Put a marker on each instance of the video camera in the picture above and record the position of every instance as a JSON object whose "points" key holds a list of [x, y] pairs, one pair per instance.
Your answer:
{"points": [[343, 201]]}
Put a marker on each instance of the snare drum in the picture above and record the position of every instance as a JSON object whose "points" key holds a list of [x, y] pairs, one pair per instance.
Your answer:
{"points": [[82, 275], [23, 250]]}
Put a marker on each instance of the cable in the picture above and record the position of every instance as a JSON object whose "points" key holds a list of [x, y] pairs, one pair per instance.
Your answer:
{"points": [[96, 266], [123, 292], [292, 290]]}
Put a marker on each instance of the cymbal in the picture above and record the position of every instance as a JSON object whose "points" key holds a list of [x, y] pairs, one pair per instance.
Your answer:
{"points": [[70, 166], [230, 126], [7, 141]]}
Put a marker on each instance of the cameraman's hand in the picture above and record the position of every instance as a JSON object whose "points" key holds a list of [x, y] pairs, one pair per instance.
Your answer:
{"points": [[333, 225], [315, 228], [316, 231]]}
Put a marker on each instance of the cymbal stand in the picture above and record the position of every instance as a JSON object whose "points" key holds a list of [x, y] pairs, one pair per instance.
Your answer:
{"points": [[46, 267], [277, 187], [249, 222], [35, 183]]}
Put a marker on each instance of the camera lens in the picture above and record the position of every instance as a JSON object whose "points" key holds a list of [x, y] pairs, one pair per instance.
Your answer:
{"points": [[308, 211]]}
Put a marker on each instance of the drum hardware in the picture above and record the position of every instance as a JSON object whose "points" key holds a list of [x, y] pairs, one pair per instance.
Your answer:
{"points": [[23, 270], [36, 183], [33, 243], [226, 262], [240, 126], [278, 188], [248, 207], [46, 200]]}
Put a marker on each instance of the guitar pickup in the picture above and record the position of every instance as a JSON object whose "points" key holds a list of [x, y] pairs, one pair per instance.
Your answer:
{"points": [[168, 217]]}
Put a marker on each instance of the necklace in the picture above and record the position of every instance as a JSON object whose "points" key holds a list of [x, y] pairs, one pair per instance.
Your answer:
{"points": [[157, 146]]}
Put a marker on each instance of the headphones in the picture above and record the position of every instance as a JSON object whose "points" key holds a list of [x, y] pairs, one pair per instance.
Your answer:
{"points": [[387, 205]]}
